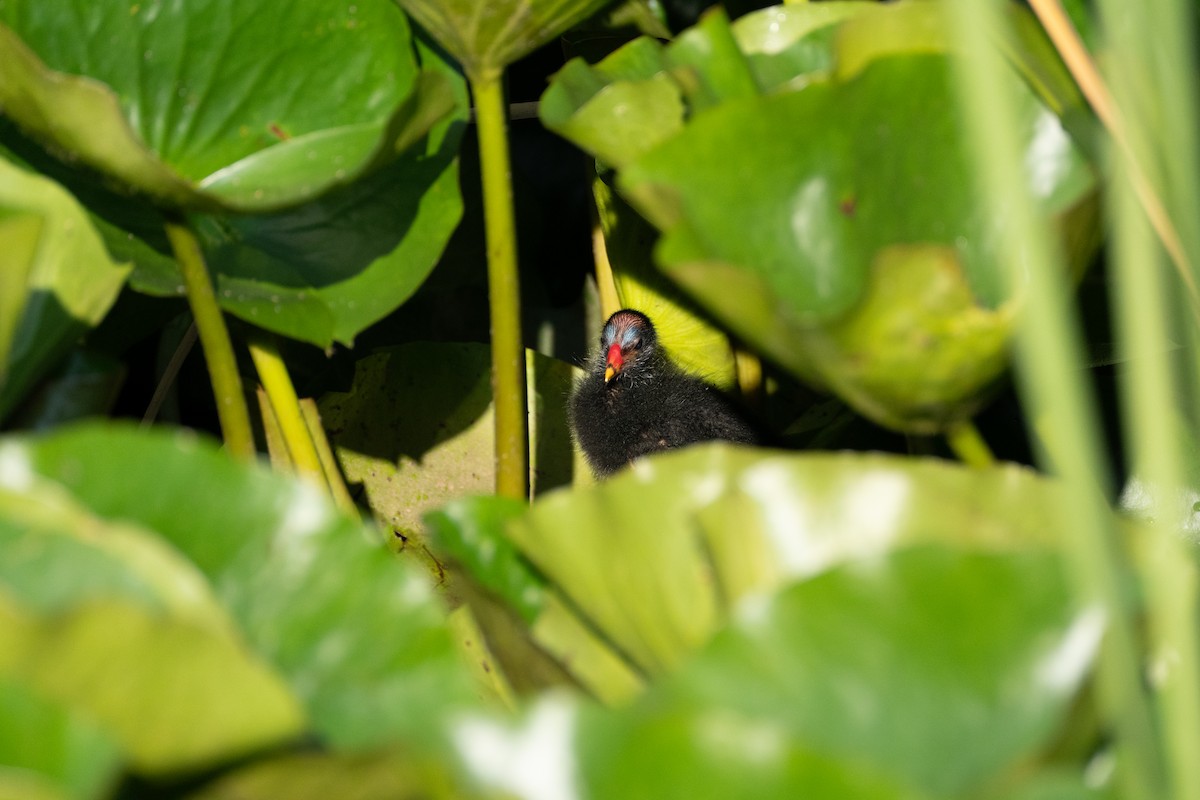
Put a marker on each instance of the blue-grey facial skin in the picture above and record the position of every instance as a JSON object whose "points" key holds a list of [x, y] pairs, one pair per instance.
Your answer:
{"points": [[625, 328], [633, 333]]}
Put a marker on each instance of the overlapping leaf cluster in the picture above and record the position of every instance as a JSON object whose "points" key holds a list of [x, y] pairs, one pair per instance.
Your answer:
{"points": [[713, 623], [809, 172]]}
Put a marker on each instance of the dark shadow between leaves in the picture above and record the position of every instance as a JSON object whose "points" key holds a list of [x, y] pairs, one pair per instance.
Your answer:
{"points": [[406, 400], [46, 333], [332, 239]]}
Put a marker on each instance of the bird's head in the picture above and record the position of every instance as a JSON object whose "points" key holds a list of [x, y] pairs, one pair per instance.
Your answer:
{"points": [[627, 342]]}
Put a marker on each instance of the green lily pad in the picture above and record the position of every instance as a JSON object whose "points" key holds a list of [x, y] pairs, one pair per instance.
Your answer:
{"points": [[786, 42], [917, 352], [49, 753], [358, 638], [690, 338], [708, 65], [845, 144], [700, 751], [470, 534], [929, 668], [57, 278], [320, 272], [639, 96], [646, 558], [106, 619], [620, 108], [130, 226], [441, 447], [808, 220], [835, 625], [487, 37], [197, 104], [924, 671], [326, 270], [388, 775]]}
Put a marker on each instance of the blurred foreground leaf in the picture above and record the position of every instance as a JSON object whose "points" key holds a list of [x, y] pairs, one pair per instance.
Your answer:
{"points": [[928, 672], [48, 752], [108, 620], [354, 642], [633, 577]]}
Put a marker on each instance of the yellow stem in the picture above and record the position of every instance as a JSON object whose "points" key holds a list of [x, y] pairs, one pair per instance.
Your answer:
{"points": [[278, 385], [333, 475], [969, 445]]}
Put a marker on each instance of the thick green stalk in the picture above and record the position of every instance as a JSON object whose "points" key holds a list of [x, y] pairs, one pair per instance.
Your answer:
{"points": [[214, 340], [1155, 48], [969, 445], [1047, 350], [273, 374], [504, 288], [1153, 435], [1181, 248]]}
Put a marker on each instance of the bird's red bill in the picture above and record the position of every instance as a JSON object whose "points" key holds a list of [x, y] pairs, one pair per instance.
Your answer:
{"points": [[615, 361]]}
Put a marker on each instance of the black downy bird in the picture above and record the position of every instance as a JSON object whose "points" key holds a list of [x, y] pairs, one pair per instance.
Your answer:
{"points": [[634, 401]]}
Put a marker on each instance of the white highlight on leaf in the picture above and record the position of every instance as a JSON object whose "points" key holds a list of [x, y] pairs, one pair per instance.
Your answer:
{"points": [[708, 488], [753, 610], [307, 513], [1062, 668], [810, 533], [486, 548], [810, 226], [1173, 508], [874, 505], [1160, 666], [16, 471], [414, 591], [785, 512], [1047, 159], [534, 762], [1099, 770], [737, 738]]}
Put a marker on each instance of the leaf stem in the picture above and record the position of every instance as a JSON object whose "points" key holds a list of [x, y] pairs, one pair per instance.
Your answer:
{"points": [[969, 445], [170, 373], [333, 475], [1153, 436], [1046, 348], [749, 372], [508, 352], [273, 374], [277, 450], [602, 218], [1081, 66], [214, 340]]}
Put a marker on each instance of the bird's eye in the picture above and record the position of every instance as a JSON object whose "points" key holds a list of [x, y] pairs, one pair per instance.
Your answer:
{"points": [[636, 343]]}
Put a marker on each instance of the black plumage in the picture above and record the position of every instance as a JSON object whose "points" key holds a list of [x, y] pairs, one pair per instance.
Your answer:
{"points": [[634, 401]]}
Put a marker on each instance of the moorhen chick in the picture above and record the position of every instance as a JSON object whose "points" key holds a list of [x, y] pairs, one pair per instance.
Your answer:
{"points": [[634, 401]]}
